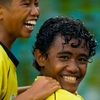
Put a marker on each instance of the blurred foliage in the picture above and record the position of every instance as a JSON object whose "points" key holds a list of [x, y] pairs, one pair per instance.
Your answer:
{"points": [[86, 10]]}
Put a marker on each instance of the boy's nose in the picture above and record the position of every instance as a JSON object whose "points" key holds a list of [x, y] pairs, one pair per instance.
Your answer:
{"points": [[35, 11], [73, 67]]}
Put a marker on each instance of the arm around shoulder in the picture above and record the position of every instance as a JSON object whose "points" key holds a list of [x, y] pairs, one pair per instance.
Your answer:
{"points": [[40, 89]]}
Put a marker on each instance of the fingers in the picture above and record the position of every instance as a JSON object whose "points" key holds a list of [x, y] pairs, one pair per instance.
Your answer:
{"points": [[45, 86], [47, 83], [54, 84], [50, 82]]}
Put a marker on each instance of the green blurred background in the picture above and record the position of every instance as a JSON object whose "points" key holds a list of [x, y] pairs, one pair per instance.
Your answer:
{"points": [[86, 10]]}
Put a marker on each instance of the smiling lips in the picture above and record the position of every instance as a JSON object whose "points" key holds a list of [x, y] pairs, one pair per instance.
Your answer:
{"points": [[30, 24], [70, 79]]}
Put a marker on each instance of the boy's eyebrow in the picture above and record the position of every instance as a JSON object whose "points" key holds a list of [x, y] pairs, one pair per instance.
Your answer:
{"points": [[85, 55], [64, 52], [67, 52], [23, 0]]}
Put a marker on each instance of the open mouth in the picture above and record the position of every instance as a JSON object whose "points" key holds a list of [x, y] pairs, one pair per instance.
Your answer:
{"points": [[30, 24]]}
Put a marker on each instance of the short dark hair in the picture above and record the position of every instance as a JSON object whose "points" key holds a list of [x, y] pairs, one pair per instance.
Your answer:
{"points": [[67, 27]]}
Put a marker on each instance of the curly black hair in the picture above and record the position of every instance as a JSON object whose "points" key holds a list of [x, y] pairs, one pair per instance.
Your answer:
{"points": [[69, 29]]}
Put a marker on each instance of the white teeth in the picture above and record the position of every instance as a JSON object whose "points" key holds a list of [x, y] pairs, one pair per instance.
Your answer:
{"points": [[29, 27], [31, 22], [70, 78]]}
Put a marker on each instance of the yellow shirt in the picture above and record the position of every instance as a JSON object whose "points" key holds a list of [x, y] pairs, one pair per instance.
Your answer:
{"points": [[62, 94], [8, 78]]}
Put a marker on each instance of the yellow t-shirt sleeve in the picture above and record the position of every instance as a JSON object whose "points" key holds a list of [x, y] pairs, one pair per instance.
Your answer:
{"points": [[64, 95]]}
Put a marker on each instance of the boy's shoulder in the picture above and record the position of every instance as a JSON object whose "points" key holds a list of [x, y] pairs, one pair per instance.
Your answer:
{"points": [[6, 54], [62, 94]]}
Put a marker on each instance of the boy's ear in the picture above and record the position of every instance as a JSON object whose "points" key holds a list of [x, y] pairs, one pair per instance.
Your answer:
{"points": [[39, 57], [1, 14]]}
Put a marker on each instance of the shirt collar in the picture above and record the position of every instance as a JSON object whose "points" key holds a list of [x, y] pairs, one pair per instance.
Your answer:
{"points": [[10, 54]]}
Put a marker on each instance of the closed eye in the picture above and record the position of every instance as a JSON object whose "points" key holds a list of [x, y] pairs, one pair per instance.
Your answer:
{"points": [[36, 4], [26, 3]]}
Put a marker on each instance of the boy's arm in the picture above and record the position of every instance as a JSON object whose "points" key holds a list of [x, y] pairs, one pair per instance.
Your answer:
{"points": [[40, 89], [22, 89]]}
